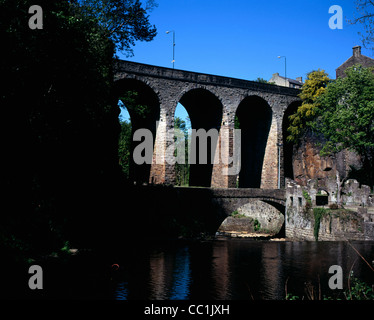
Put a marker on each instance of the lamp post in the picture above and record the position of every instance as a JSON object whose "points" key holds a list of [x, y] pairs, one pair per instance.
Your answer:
{"points": [[285, 69], [167, 32], [279, 164]]}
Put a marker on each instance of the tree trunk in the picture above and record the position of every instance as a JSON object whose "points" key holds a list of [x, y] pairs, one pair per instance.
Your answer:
{"points": [[339, 184]]}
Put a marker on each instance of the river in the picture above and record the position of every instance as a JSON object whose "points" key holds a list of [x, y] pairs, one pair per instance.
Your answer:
{"points": [[236, 269], [230, 269]]}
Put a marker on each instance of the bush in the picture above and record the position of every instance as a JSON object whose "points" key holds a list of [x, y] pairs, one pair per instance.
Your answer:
{"points": [[257, 225], [333, 206], [359, 290]]}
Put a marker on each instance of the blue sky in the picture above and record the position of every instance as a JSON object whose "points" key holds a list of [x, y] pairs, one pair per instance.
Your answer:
{"points": [[242, 39]]}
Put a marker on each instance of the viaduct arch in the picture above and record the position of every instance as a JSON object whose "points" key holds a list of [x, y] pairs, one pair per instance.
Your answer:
{"points": [[212, 102]]}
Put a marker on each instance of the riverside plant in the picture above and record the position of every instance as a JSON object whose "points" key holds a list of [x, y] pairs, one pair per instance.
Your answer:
{"points": [[356, 289]]}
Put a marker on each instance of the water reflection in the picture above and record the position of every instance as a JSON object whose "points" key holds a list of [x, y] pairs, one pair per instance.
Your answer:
{"points": [[272, 271], [121, 291], [221, 272], [238, 269], [157, 276], [180, 285]]}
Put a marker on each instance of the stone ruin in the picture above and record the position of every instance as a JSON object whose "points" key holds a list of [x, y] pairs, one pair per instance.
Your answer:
{"points": [[356, 222]]}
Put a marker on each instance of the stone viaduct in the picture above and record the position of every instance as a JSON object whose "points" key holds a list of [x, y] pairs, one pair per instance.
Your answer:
{"points": [[213, 102]]}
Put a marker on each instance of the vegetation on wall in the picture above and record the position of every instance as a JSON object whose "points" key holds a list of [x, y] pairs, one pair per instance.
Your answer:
{"points": [[318, 213]]}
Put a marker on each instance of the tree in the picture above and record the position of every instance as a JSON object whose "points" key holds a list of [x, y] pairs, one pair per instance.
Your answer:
{"points": [[123, 21], [313, 88], [365, 9], [139, 112], [181, 169], [124, 147], [345, 116], [60, 126]]}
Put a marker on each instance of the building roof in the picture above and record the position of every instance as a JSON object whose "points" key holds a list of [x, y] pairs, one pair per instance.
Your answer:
{"points": [[299, 83], [356, 58], [294, 81]]}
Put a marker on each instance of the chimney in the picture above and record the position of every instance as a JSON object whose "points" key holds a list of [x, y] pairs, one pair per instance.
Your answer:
{"points": [[276, 74], [300, 79], [357, 51]]}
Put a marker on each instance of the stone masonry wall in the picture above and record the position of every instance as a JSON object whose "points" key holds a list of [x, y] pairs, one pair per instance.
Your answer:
{"points": [[170, 85], [335, 225]]}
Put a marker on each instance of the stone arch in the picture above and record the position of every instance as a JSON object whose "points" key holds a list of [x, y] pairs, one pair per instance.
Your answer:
{"points": [[268, 215], [288, 147], [143, 105], [194, 86], [205, 111], [254, 118]]}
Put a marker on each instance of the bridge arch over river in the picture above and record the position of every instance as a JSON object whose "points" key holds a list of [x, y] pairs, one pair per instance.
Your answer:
{"points": [[196, 209]]}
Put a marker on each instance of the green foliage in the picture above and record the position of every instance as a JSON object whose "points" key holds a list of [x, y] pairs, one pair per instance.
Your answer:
{"points": [[257, 225], [262, 80], [345, 115], [66, 248], [359, 290], [308, 199], [122, 21], [182, 170], [238, 215], [124, 147], [346, 112], [236, 122], [131, 100], [319, 213], [61, 148], [139, 112], [291, 296], [307, 196], [313, 87]]}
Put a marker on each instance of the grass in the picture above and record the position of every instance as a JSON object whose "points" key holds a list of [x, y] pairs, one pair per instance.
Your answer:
{"points": [[236, 214], [256, 224]]}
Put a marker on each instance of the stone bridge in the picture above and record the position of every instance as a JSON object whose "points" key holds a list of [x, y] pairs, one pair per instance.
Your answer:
{"points": [[198, 209], [215, 102]]}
